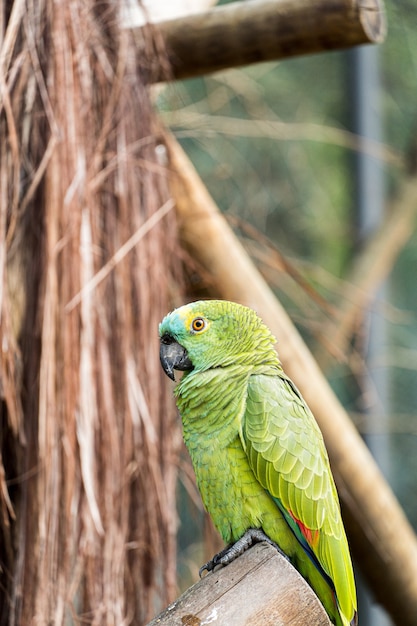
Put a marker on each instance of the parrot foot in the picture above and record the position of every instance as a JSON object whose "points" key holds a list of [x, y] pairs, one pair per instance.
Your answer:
{"points": [[232, 551]]}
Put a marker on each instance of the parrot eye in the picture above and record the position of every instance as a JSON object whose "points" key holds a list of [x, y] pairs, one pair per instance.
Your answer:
{"points": [[198, 324]]}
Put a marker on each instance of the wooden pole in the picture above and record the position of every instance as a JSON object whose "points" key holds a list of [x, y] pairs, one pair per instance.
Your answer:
{"points": [[242, 33], [259, 588], [380, 536]]}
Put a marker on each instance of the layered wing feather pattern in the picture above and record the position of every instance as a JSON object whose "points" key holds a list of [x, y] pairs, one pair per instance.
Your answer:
{"points": [[286, 452]]}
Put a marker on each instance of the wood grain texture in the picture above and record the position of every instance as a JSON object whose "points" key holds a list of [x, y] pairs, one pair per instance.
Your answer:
{"points": [[242, 33], [259, 588]]}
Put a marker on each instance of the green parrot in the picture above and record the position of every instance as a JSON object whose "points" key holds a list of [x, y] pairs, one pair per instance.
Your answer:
{"points": [[258, 454]]}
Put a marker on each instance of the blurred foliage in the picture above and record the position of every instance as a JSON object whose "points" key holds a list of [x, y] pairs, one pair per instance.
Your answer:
{"points": [[286, 192], [273, 144]]}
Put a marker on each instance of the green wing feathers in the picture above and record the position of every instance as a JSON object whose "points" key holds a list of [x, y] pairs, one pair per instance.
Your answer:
{"points": [[286, 452]]}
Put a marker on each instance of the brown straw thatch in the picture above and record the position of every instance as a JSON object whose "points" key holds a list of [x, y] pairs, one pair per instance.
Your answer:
{"points": [[87, 257]]}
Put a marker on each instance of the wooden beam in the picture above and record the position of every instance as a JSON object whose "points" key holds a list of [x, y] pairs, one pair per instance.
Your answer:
{"points": [[259, 588], [242, 33], [380, 536]]}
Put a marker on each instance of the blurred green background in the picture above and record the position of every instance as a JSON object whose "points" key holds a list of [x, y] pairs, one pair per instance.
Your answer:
{"points": [[275, 145]]}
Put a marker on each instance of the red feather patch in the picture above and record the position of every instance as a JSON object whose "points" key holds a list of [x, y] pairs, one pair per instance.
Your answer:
{"points": [[312, 536]]}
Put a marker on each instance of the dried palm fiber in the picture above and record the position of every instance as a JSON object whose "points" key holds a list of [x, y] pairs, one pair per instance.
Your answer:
{"points": [[89, 436]]}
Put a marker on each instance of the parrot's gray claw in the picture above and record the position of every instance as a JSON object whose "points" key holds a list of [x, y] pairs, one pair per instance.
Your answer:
{"points": [[218, 559], [231, 552], [207, 567]]}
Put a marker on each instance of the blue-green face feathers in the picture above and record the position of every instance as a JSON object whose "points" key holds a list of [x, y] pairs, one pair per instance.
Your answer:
{"points": [[213, 333]]}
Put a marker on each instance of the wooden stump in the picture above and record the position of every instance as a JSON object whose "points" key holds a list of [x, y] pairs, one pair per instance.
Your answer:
{"points": [[259, 588]]}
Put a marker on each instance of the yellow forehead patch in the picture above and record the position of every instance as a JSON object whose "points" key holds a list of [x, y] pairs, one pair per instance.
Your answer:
{"points": [[187, 316]]}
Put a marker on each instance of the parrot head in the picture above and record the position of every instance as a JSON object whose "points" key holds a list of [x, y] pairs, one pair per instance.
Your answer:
{"points": [[213, 333]]}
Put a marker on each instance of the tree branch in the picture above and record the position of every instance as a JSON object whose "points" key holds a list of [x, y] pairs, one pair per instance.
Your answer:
{"points": [[242, 33], [380, 536]]}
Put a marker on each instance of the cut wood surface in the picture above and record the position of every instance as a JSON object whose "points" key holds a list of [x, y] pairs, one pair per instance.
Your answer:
{"points": [[242, 33], [259, 588], [380, 536]]}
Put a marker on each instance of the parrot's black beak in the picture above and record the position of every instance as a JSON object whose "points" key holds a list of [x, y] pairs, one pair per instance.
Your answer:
{"points": [[173, 356]]}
